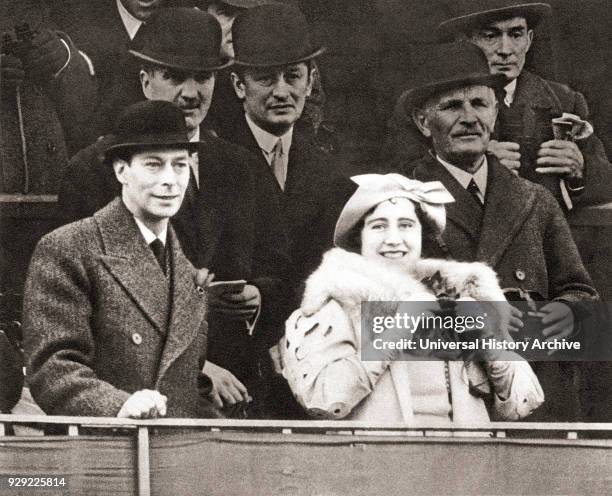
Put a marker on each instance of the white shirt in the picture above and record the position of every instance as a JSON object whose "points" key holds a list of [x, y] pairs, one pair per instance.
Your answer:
{"points": [[510, 90], [194, 161], [149, 235], [131, 24], [267, 142], [464, 178]]}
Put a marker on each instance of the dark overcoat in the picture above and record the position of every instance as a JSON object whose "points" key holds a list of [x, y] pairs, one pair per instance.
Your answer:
{"points": [[523, 235], [101, 320], [315, 192]]}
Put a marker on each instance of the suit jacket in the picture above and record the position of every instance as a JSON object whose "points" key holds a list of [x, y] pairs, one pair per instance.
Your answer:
{"points": [[315, 192], [523, 235], [101, 320], [536, 102], [230, 225]]}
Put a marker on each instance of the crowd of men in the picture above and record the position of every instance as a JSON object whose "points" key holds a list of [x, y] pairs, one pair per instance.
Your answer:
{"points": [[180, 140]]}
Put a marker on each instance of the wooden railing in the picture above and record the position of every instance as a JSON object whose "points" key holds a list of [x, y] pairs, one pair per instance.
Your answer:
{"points": [[185, 456]]}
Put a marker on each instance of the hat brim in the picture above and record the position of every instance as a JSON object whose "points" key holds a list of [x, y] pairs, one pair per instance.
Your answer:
{"points": [[276, 62], [534, 12], [415, 97], [195, 64], [114, 145]]}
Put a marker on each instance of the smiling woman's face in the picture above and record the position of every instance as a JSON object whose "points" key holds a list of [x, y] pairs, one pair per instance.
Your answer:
{"points": [[392, 232]]}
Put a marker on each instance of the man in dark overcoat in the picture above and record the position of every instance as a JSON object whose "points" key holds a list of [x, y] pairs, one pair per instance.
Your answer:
{"points": [[272, 77], [573, 166], [114, 313], [230, 219], [512, 224]]}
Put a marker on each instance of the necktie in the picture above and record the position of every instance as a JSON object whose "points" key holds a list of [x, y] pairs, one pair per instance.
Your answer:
{"points": [[277, 164], [159, 250], [474, 191]]}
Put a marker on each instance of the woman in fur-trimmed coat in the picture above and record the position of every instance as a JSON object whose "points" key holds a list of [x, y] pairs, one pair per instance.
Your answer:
{"points": [[381, 232]]}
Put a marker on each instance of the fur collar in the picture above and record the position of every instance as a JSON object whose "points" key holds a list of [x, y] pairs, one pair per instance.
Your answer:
{"points": [[350, 278]]}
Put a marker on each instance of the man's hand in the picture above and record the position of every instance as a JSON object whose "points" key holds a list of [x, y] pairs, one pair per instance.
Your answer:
{"points": [[562, 158], [144, 404], [227, 390], [516, 319], [11, 71], [559, 320], [237, 306], [508, 153], [47, 56], [276, 357]]}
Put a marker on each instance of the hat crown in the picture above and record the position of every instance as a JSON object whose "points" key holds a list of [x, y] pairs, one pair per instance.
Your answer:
{"points": [[452, 61], [150, 117], [471, 7], [273, 34], [185, 38]]}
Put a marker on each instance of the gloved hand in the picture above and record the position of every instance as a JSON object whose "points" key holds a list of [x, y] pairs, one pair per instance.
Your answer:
{"points": [[47, 56], [11, 71]]}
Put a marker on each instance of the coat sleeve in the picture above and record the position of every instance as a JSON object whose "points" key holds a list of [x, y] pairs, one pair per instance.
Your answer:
{"points": [[597, 167], [322, 363], [568, 279], [58, 337]]}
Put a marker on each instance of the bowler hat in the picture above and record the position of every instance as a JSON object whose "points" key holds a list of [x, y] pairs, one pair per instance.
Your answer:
{"points": [[182, 38], [472, 14], [450, 66], [271, 35], [147, 124]]}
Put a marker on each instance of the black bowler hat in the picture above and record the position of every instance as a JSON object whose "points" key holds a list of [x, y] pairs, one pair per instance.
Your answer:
{"points": [[148, 124], [271, 35], [182, 38], [473, 14], [448, 67]]}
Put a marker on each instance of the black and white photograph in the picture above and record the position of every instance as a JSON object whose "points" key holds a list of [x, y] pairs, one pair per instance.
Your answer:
{"points": [[305, 247]]}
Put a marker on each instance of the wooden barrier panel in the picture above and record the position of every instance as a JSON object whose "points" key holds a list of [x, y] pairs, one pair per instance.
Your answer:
{"points": [[231, 457]]}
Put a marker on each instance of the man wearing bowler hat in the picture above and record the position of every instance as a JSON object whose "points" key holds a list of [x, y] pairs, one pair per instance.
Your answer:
{"points": [[114, 321], [229, 222], [513, 225], [272, 77], [542, 133]]}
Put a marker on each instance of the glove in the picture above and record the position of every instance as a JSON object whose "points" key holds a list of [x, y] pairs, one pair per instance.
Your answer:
{"points": [[47, 56], [11, 71]]}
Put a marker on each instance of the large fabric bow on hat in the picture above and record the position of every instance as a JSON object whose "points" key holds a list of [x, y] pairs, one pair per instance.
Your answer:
{"points": [[376, 188]]}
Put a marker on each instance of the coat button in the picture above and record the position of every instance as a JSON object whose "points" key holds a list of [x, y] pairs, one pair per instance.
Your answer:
{"points": [[520, 275], [136, 338]]}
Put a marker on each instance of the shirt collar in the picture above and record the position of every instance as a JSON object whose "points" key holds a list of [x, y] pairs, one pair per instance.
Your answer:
{"points": [[267, 141], [510, 90], [196, 136], [464, 178], [131, 24], [149, 235]]}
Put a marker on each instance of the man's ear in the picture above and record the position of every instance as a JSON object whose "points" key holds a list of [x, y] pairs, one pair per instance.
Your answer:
{"points": [[529, 38], [145, 82], [120, 166], [311, 77], [420, 119], [238, 85]]}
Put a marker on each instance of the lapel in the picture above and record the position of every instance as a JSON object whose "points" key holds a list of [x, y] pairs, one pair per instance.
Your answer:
{"points": [[464, 212], [535, 102], [187, 307], [131, 262], [507, 206]]}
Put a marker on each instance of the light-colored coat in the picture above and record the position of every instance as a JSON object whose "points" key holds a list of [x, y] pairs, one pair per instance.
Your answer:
{"points": [[100, 321], [322, 346]]}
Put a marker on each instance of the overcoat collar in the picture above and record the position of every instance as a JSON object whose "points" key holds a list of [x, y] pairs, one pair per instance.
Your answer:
{"points": [[507, 206], [133, 265]]}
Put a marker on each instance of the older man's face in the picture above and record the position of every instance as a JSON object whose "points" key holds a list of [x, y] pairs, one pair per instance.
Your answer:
{"points": [[505, 44], [142, 9], [459, 123]]}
